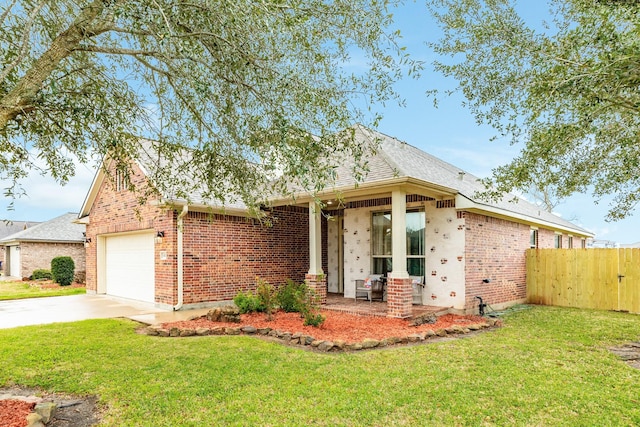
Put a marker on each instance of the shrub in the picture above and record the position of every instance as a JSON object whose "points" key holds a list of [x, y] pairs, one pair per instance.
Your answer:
{"points": [[309, 305], [248, 303], [41, 274], [268, 297], [62, 269], [289, 295]]}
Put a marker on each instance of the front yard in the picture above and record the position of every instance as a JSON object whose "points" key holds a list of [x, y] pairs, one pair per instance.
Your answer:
{"points": [[36, 289], [546, 366]]}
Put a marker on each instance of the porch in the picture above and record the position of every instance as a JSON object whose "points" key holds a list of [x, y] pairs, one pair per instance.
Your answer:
{"points": [[337, 302]]}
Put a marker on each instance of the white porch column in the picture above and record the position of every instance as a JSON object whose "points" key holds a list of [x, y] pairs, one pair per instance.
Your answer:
{"points": [[315, 239], [399, 292], [399, 233], [315, 278]]}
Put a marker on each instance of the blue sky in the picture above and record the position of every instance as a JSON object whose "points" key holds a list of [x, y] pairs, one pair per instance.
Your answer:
{"points": [[448, 132]]}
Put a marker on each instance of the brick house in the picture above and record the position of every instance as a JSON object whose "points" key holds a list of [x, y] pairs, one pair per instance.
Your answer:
{"points": [[34, 247], [7, 228], [178, 254]]}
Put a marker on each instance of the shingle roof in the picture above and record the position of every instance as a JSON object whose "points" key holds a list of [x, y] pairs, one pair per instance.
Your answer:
{"points": [[395, 158], [7, 228], [60, 229]]}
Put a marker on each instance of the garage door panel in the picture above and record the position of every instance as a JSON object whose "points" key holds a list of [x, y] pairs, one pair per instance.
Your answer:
{"points": [[130, 271]]}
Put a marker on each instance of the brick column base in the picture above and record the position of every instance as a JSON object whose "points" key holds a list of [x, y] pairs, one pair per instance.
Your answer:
{"points": [[317, 282], [399, 297]]}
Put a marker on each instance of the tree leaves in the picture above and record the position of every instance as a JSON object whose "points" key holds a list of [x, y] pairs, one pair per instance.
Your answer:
{"points": [[568, 90]]}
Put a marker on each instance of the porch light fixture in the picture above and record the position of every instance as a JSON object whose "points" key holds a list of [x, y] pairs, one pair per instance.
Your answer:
{"points": [[159, 236], [87, 240]]}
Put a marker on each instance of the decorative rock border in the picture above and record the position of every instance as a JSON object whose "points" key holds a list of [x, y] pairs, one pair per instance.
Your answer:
{"points": [[43, 410], [299, 339]]}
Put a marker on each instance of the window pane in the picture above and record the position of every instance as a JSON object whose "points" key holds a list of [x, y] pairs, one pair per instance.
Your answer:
{"points": [[415, 233], [382, 266], [381, 235], [415, 266]]}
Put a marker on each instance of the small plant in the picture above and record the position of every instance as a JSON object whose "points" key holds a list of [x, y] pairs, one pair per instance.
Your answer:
{"points": [[267, 295], [288, 296], [248, 303], [41, 274], [309, 307], [62, 269]]}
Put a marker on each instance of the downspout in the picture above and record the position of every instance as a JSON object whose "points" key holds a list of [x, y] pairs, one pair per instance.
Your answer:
{"points": [[178, 306]]}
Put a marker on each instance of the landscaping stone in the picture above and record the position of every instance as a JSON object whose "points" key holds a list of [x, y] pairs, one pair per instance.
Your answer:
{"points": [[249, 329], [316, 343], [227, 313], [325, 346], [203, 331], [441, 333], [217, 330], [427, 318], [187, 332], [264, 331], [34, 420], [370, 343], [163, 332], [414, 338], [151, 331], [174, 332], [232, 331], [474, 327], [339, 344], [308, 340], [429, 333], [46, 410]]}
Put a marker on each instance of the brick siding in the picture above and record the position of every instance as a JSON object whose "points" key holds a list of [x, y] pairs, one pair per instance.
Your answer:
{"points": [[495, 249], [120, 211], [38, 255], [223, 254]]}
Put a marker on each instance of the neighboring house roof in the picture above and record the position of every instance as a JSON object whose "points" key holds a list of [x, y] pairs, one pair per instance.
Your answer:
{"points": [[7, 228], [58, 230], [630, 245]]}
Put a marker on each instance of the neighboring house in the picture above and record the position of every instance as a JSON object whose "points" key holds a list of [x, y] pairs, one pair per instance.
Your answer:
{"points": [[8, 228], [412, 215], [631, 245], [35, 247]]}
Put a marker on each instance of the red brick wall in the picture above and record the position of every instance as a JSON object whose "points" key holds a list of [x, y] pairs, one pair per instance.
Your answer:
{"points": [[36, 255], [224, 254], [495, 250], [120, 211]]}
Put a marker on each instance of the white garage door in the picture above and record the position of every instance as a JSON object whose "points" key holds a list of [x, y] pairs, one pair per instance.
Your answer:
{"points": [[130, 271]]}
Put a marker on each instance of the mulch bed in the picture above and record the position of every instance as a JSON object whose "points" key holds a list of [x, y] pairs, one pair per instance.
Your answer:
{"points": [[13, 413], [337, 326]]}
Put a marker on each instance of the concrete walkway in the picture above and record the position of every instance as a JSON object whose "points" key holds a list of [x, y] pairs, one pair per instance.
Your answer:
{"points": [[39, 311]]}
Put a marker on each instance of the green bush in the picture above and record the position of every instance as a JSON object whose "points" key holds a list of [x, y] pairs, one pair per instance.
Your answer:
{"points": [[41, 274], [268, 297], [62, 269], [248, 303], [289, 295], [309, 305]]}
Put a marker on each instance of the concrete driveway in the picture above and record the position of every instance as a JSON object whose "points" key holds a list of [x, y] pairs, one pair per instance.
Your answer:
{"points": [[38, 311]]}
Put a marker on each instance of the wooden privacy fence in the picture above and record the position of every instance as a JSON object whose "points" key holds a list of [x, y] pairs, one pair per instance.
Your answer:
{"points": [[606, 279]]}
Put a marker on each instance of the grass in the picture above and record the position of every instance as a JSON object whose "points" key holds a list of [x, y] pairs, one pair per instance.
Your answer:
{"points": [[546, 367], [20, 290]]}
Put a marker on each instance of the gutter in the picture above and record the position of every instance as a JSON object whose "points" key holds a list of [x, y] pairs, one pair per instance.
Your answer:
{"points": [[178, 306]]}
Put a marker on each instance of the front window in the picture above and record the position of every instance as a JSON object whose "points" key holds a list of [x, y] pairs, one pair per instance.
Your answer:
{"points": [[533, 239], [558, 241], [382, 243]]}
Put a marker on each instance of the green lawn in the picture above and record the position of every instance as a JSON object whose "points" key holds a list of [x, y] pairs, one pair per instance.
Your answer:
{"points": [[20, 290], [545, 367]]}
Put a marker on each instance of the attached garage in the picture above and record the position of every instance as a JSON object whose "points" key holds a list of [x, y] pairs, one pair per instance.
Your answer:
{"points": [[129, 270]]}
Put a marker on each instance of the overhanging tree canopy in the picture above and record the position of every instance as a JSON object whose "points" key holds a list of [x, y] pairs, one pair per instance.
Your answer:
{"points": [[236, 81], [568, 90]]}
